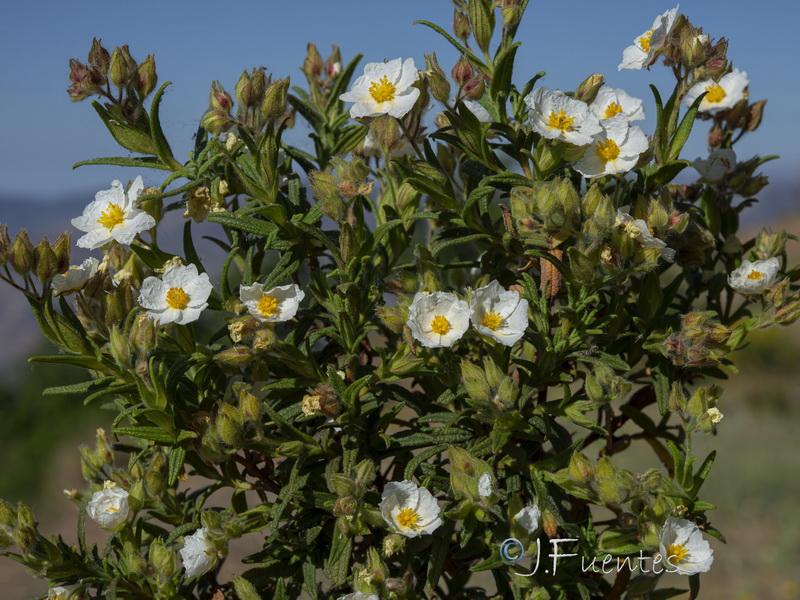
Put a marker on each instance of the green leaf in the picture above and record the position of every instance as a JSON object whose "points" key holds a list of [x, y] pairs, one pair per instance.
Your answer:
{"points": [[153, 434], [176, 458], [248, 224], [157, 134], [126, 135], [462, 50], [475, 237], [684, 129], [79, 388], [144, 162], [500, 86]]}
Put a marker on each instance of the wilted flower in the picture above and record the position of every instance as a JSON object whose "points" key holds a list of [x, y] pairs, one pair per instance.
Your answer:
{"points": [[437, 320], [722, 94], [113, 215], [485, 485], [409, 509], [197, 554], [178, 297], [719, 163], [59, 593], [615, 150], [109, 507], [555, 115], [753, 278], [384, 88], [76, 276], [274, 305], [638, 230], [714, 414], [683, 548], [611, 102], [646, 46], [528, 518], [501, 314]]}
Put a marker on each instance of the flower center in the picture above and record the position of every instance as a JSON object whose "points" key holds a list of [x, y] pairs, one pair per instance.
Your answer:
{"points": [[382, 90], [408, 519], [644, 40], [268, 306], [112, 216], [440, 325], [757, 275], [492, 320], [560, 120], [715, 93], [611, 110], [177, 298], [676, 554], [112, 509], [607, 150]]}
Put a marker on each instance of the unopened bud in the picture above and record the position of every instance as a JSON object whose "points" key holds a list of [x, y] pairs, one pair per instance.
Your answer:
{"points": [[393, 543], [146, 77], [143, 334], [8, 516], [99, 56], [274, 105], [119, 73], [61, 248], [46, 262], [216, 121], [462, 71], [437, 82], [333, 64], [346, 507], [386, 131], [788, 313], [163, 559], [155, 479], [230, 425], [5, 244], [24, 515], [511, 13], [22, 254], [77, 70], [236, 357], [312, 65], [219, 99], [587, 90], [580, 468], [755, 115], [120, 346], [24, 538]]}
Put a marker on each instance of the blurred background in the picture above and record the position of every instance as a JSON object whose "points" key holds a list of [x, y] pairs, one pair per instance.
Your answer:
{"points": [[756, 479]]}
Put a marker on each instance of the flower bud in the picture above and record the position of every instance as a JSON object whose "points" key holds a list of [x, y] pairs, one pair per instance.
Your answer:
{"points": [[230, 425], [274, 105], [587, 90], [219, 99], [5, 244], [581, 469], [146, 78], [46, 262], [99, 56], [386, 131], [164, 560], [755, 115], [788, 313], [8, 516], [216, 121], [61, 249], [77, 70], [462, 71], [475, 87], [22, 254], [143, 334], [437, 82], [333, 64], [235, 357], [324, 186], [461, 26], [393, 543], [511, 13], [312, 65], [263, 340], [243, 89], [155, 479], [24, 538], [244, 589], [25, 515], [120, 346], [753, 186], [119, 73]]}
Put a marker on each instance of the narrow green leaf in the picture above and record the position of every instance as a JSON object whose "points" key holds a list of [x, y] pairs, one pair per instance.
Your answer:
{"points": [[144, 162], [127, 136], [248, 224], [163, 150], [684, 129], [144, 432]]}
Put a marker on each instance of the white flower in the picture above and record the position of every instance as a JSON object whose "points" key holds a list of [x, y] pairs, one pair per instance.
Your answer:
{"points": [[113, 216], [437, 320], [408, 509], [501, 314], [683, 548], [528, 518], [638, 230], [555, 115], [485, 485], [646, 46], [178, 297], [384, 88], [723, 94], [477, 109], [719, 163], [752, 278], [715, 415], [616, 149], [59, 592], [109, 507], [197, 554], [611, 102], [274, 305], [76, 276], [359, 596]]}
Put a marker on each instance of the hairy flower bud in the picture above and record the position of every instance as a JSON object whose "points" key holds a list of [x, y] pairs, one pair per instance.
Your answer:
{"points": [[250, 87], [230, 425], [155, 479], [146, 78], [22, 254], [581, 469], [120, 346], [235, 357], [46, 262], [61, 249], [120, 72], [462, 71], [312, 65], [164, 560], [274, 105], [587, 90], [216, 121], [333, 64], [437, 82], [475, 87], [99, 56]]}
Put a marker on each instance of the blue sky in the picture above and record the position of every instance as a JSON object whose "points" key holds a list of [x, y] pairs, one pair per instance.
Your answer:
{"points": [[196, 42]]}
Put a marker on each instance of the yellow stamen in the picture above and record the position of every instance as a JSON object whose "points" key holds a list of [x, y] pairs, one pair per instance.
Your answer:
{"points": [[112, 216], [607, 150], [177, 298], [715, 93], [644, 40], [408, 518], [382, 90], [560, 120], [112, 509], [611, 110], [492, 320], [440, 325], [676, 554], [757, 275], [268, 306]]}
